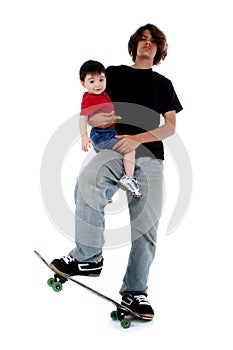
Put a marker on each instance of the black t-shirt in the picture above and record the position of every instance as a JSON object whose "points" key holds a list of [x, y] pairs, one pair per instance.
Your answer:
{"points": [[140, 96]]}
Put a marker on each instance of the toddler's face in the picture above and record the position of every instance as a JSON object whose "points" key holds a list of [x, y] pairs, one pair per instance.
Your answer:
{"points": [[95, 83]]}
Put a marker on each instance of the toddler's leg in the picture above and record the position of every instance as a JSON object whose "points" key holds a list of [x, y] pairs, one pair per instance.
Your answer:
{"points": [[129, 163], [128, 182]]}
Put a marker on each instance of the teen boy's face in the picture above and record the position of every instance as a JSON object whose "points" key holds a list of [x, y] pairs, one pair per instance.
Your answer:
{"points": [[147, 46], [94, 83]]}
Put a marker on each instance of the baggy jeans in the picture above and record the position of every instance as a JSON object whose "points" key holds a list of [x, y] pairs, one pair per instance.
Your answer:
{"points": [[96, 184]]}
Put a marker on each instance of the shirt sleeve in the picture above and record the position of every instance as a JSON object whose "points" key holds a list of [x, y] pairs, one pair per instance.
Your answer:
{"points": [[92, 104], [88, 106], [169, 98]]}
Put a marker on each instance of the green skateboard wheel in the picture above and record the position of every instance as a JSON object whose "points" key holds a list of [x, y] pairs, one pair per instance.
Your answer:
{"points": [[57, 286], [125, 323], [50, 282], [114, 315]]}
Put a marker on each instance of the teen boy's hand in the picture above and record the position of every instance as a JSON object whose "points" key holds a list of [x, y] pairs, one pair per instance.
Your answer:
{"points": [[103, 120], [127, 143]]}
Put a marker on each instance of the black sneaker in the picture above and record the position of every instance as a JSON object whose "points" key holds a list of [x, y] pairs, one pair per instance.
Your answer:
{"points": [[68, 266], [138, 304]]}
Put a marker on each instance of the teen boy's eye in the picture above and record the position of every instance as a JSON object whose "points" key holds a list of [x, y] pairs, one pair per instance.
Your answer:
{"points": [[144, 38]]}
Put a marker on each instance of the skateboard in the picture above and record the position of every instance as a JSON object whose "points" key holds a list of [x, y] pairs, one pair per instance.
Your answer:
{"points": [[121, 314]]}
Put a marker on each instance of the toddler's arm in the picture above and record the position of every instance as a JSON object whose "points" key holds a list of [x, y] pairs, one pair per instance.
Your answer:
{"points": [[86, 141]]}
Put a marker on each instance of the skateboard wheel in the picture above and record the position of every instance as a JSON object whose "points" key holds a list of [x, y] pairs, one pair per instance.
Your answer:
{"points": [[125, 323], [57, 286], [50, 282], [114, 315]]}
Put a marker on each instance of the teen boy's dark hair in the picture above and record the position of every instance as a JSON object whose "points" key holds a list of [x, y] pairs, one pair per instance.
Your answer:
{"points": [[157, 35], [90, 67]]}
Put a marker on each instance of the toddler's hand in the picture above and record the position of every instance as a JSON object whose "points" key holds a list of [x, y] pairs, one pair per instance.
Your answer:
{"points": [[86, 143]]}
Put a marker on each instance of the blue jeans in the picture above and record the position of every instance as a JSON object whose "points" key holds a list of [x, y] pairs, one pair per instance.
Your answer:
{"points": [[95, 186], [103, 138]]}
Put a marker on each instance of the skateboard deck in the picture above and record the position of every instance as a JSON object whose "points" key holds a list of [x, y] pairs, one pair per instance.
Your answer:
{"points": [[122, 313]]}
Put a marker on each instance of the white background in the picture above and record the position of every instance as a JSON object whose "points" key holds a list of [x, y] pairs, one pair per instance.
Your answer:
{"points": [[43, 44]]}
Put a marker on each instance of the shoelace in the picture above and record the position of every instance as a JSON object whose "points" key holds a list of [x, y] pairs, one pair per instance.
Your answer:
{"points": [[67, 259], [135, 182], [141, 299]]}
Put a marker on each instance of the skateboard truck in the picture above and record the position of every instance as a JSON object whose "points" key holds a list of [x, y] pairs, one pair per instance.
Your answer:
{"points": [[121, 315], [56, 282]]}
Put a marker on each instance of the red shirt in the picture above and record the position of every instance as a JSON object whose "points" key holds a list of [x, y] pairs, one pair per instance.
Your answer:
{"points": [[92, 104]]}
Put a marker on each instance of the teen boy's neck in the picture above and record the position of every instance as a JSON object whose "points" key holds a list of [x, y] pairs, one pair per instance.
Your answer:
{"points": [[142, 63]]}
